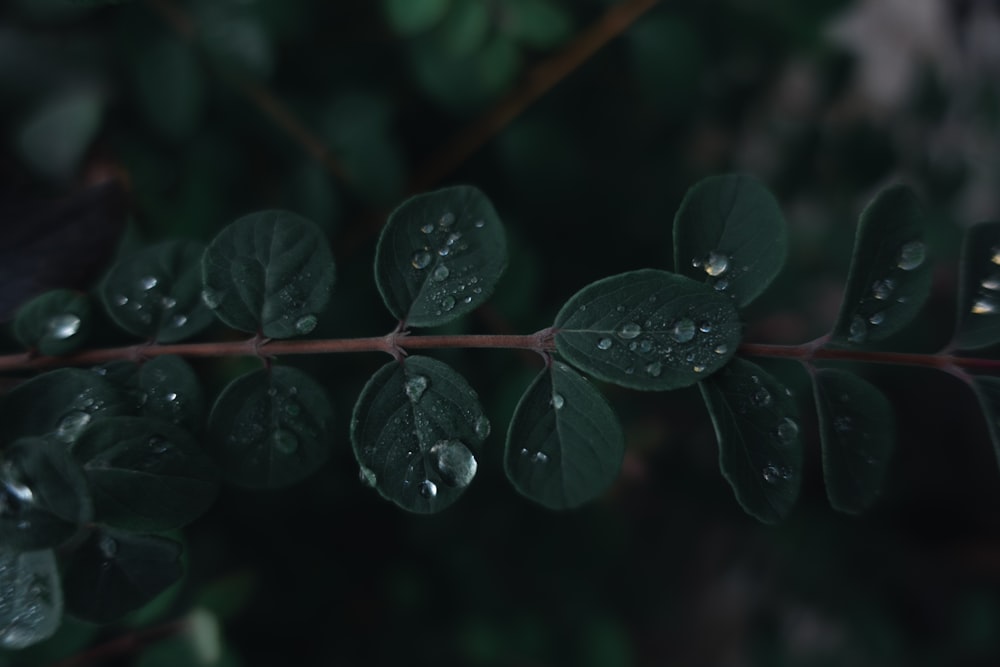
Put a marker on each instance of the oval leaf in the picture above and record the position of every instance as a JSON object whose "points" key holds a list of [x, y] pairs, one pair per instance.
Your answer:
{"points": [[757, 425], [114, 572], [54, 323], [440, 255], [416, 429], [270, 428], [155, 293], [58, 405], [145, 474], [857, 434], [889, 278], [44, 496], [648, 329], [31, 601], [169, 390], [271, 272], [729, 232], [565, 445], [978, 322]]}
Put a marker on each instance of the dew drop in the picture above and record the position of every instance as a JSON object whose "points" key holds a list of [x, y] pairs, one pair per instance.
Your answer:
{"points": [[843, 424], [421, 259], [761, 398], [654, 369], [716, 264], [646, 346], [444, 251], [483, 427], [168, 302], [108, 546], [284, 441], [771, 474], [179, 320], [787, 431], [992, 283], [440, 272], [479, 224], [427, 228], [454, 462], [604, 344], [911, 255], [211, 298], [120, 299], [71, 425], [721, 349], [995, 254], [415, 386], [367, 476], [882, 289], [984, 306], [721, 285], [705, 327], [306, 324], [858, 331], [453, 238], [63, 326], [877, 318], [447, 220], [539, 457], [448, 303], [684, 330], [558, 401], [698, 369], [148, 282], [629, 331], [428, 489]]}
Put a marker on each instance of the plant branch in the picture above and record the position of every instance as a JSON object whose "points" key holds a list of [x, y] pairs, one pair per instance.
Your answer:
{"points": [[809, 352]]}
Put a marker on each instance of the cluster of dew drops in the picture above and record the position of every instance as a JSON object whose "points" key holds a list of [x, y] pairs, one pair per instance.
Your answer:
{"points": [[787, 430], [911, 256], [987, 300], [147, 301], [435, 260]]}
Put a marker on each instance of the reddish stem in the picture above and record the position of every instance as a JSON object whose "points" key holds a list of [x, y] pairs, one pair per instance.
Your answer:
{"points": [[810, 352]]}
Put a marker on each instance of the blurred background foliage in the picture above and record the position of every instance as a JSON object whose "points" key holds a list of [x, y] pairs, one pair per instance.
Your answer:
{"points": [[207, 109]]}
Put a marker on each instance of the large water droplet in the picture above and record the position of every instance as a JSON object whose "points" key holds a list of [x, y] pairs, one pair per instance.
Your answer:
{"points": [[440, 272], [63, 326], [421, 259], [984, 305], [454, 462], [858, 331], [787, 431], [629, 330], [882, 289], [448, 303], [483, 427], [604, 344], [911, 255], [684, 330], [428, 489], [558, 401], [992, 282], [415, 386], [306, 324], [148, 282], [716, 264], [284, 441], [71, 424]]}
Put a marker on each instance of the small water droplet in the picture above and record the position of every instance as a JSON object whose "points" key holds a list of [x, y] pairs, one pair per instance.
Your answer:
{"points": [[721, 285], [695, 263], [108, 546], [995, 254], [367, 476], [539, 457], [771, 474], [604, 344], [629, 330], [705, 327], [698, 369], [120, 299], [455, 463], [171, 396], [440, 272], [858, 331], [483, 427], [761, 398], [630, 370], [558, 401], [168, 302], [211, 298], [992, 282], [684, 330], [984, 305], [721, 349], [447, 220], [843, 424], [415, 386], [306, 324], [787, 431], [882, 289], [448, 303], [427, 228], [654, 369], [428, 489], [421, 259], [911, 255], [479, 224], [284, 441], [716, 264], [71, 424], [148, 282], [444, 251], [877, 318], [178, 320], [453, 238], [63, 326], [645, 346]]}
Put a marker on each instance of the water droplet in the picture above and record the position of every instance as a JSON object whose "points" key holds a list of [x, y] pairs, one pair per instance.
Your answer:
{"points": [[168, 302], [415, 386], [992, 283], [71, 425], [645, 346], [654, 369], [444, 251], [761, 398], [306, 324], [447, 220], [877, 318], [716, 264], [705, 327], [479, 224], [284, 441], [211, 298], [629, 330], [148, 282], [721, 285], [108, 546], [558, 401], [367, 476], [788, 430], [911, 255], [453, 238], [995, 254], [440, 272], [421, 259], [882, 289], [858, 331], [604, 344], [427, 228], [455, 463], [630, 370], [120, 299], [843, 424], [539, 457], [178, 321], [771, 474], [698, 369], [428, 489], [684, 330], [448, 303], [171, 396], [63, 326], [483, 427], [721, 349], [984, 305]]}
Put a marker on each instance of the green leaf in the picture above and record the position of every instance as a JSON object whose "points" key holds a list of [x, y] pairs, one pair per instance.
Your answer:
{"points": [[170, 391], [987, 390], [760, 451], [170, 85], [114, 572], [416, 429], [408, 17], [889, 278], [145, 474], [537, 23], [30, 598], [462, 84], [270, 271], [155, 293], [565, 445], [464, 29], [857, 433], [978, 323], [58, 405], [729, 233], [440, 256], [648, 329], [56, 322], [54, 139], [270, 428], [44, 496]]}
